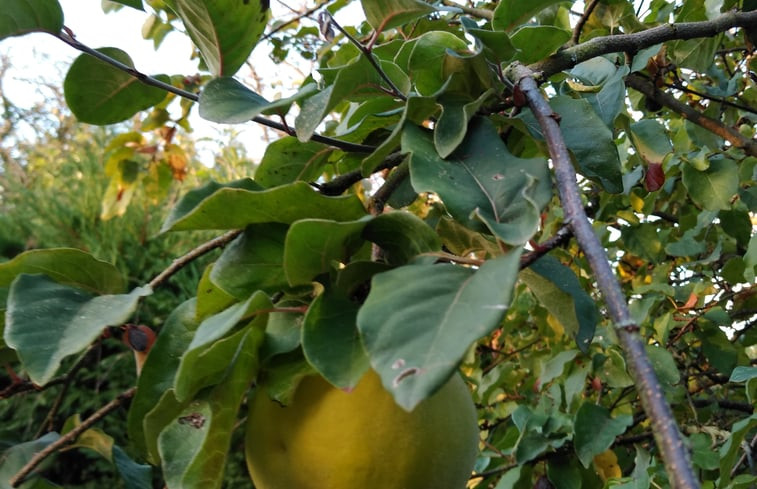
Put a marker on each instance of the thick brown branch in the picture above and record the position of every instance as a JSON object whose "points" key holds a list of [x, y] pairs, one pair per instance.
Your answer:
{"points": [[637, 82], [70, 437], [632, 43], [667, 435]]}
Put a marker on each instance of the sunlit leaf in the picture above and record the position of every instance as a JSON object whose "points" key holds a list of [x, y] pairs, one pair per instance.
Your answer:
{"points": [[509, 14], [411, 321], [47, 321], [714, 187]]}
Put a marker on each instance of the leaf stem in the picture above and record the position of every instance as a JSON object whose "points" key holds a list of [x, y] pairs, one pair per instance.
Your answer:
{"points": [[666, 431]]}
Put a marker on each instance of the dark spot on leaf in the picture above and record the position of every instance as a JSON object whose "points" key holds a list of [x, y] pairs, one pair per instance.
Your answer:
{"points": [[195, 420], [498, 176], [404, 375]]}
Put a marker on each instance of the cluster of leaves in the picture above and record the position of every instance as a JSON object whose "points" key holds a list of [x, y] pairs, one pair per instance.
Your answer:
{"points": [[461, 256]]}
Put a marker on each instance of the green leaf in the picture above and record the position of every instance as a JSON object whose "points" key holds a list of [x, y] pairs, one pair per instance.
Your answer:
{"points": [[211, 298], [157, 379], [731, 449], [16, 457], [427, 60], [66, 266], [535, 43], [554, 366], [194, 447], [214, 346], [253, 261], [136, 4], [402, 236], [596, 430], [356, 80], [227, 101], [225, 31], [608, 101], [588, 138], [714, 187], [452, 126], [482, 184], [411, 322], [743, 374], [330, 340], [388, 14], [510, 14], [284, 204], [287, 160], [558, 289], [47, 321], [99, 93], [134, 475], [651, 140], [664, 365], [20, 17], [313, 246]]}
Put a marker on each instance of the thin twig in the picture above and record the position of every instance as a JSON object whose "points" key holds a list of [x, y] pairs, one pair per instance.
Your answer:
{"points": [[666, 431], [720, 100], [561, 237], [27, 385], [582, 21], [369, 55], [392, 182], [340, 184], [472, 11], [639, 83], [70, 437], [570, 57], [297, 18], [184, 260], [154, 82]]}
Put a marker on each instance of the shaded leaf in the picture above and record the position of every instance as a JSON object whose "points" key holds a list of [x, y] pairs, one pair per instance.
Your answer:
{"points": [[588, 138], [330, 340], [227, 101], [651, 141], [513, 13], [134, 475], [98, 93], [482, 184], [596, 430], [284, 204], [714, 187], [253, 261], [20, 17], [401, 236], [47, 321], [411, 321], [535, 43], [16, 457], [287, 160], [157, 378], [225, 31], [66, 266]]}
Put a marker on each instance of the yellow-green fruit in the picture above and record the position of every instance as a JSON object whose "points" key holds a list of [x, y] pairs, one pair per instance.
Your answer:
{"points": [[330, 439]]}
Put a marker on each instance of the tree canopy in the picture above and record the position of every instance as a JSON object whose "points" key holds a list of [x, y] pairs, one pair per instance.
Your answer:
{"points": [[556, 199]]}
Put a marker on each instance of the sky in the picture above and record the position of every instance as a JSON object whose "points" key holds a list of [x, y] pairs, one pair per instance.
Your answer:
{"points": [[34, 58]]}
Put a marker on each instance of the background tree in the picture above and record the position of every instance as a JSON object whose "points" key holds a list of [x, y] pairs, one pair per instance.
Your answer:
{"points": [[427, 176]]}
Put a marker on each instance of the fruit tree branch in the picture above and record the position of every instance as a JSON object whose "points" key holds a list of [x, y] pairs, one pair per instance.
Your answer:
{"points": [[69, 437], [598, 46], [69, 39], [666, 431], [639, 83]]}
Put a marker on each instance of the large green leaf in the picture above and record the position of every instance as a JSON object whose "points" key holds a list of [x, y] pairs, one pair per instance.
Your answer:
{"points": [[155, 387], [387, 14], [195, 445], [596, 430], [356, 80], [314, 245], [714, 187], [66, 266], [19, 17], [511, 13], [253, 261], [16, 457], [47, 321], [452, 126], [225, 31], [651, 140], [588, 138], [602, 73], [287, 160], [99, 93], [419, 320], [214, 345], [558, 289], [426, 64], [284, 204], [401, 236], [331, 342], [482, 184], [536, 42], [227, 101]]}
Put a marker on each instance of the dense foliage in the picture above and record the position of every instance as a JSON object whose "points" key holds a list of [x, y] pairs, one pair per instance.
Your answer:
{"points": [[420, 215]]}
